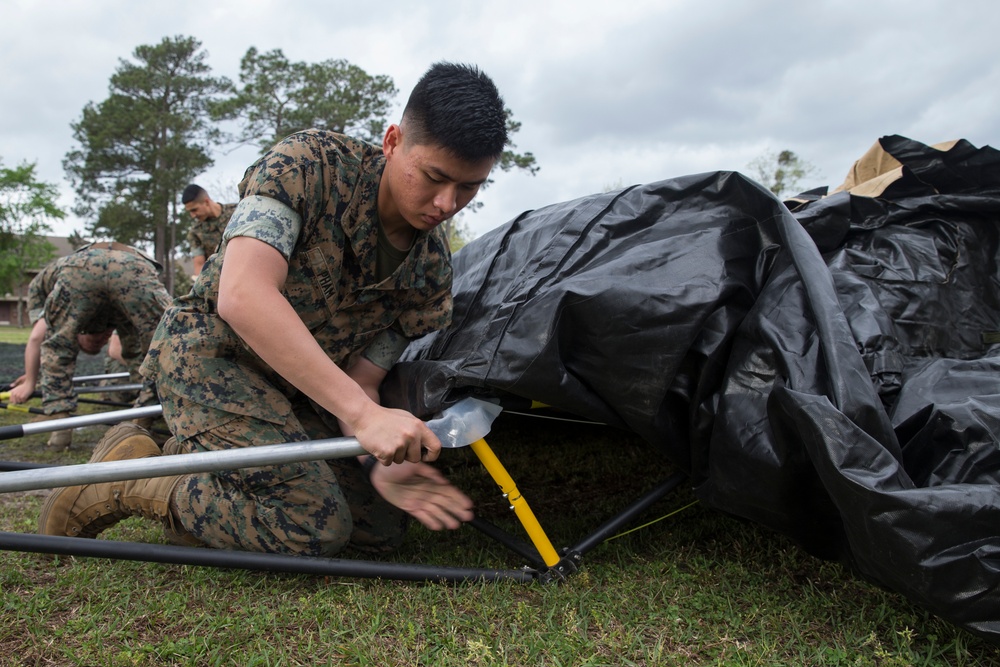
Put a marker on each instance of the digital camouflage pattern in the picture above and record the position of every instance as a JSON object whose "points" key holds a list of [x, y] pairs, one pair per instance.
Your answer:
{"points": [[204, 236], [101, 286], [313, 508], [217, 393]]}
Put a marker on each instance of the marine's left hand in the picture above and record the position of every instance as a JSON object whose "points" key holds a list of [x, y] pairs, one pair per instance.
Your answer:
{"points": [[21, 390], [423, 492]]}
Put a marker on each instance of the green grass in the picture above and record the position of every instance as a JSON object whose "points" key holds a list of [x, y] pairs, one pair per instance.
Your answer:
{"points": [[18, 335], [694, 588]]}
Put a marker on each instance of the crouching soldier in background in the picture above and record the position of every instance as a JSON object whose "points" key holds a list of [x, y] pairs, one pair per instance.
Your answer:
{"points": [[75, 304]]}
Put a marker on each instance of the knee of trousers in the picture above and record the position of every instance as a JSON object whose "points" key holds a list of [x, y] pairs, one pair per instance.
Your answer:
{"points": [[308, 535], [306, 519]]}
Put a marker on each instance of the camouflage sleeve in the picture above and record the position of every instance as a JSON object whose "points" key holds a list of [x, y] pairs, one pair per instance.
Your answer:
{"points": [[386, 349], [297, 172], [194, 239], [266, 220], [432, 315], [36, 298]]}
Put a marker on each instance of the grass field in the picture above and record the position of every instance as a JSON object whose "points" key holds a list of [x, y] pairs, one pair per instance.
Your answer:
{"points": [[15, 335], [687, 586]]}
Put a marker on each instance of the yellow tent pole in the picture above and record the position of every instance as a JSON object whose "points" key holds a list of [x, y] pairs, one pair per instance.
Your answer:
{"points": [[517, 502], [19, 408]]}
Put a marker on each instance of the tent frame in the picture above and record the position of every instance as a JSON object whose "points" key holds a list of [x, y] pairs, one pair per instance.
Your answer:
{"points": [[545, 564]]}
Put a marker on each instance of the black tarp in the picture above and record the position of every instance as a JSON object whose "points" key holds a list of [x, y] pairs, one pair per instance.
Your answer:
{"points": [[829, 368]]}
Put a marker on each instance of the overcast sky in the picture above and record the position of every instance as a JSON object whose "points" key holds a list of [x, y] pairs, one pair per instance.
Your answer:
{"points": [[609, 93]]}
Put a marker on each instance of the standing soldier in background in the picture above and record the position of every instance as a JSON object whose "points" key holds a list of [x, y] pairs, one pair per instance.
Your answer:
{"points": [[210, 219], [75, 303]]}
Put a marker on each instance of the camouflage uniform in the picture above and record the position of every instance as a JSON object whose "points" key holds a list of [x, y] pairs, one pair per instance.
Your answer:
{"points": [[101, 286], [218, 394], [204, 236]]}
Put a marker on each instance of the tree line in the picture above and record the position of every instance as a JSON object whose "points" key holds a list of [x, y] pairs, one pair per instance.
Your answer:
{"points": [[166, 112], [164, 115]]}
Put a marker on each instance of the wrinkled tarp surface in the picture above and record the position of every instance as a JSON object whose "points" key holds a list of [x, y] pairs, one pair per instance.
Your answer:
{"points": [[829, 368]]}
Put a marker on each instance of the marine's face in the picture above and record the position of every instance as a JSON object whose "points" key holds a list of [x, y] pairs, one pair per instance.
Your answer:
{"points": [[91, 343], [426, 185], [199, 209]]}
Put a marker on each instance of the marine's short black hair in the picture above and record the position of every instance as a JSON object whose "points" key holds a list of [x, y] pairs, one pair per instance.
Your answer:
{"points": [[458, 108], [191, 193]]}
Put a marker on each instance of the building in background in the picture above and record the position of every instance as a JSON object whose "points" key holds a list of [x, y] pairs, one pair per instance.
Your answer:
{"points": [[9, 301]]}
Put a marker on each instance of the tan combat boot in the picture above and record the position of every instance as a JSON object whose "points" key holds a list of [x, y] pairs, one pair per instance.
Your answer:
{"points": [[60, 439], [87, 510], [170, 447], [57, 439]]}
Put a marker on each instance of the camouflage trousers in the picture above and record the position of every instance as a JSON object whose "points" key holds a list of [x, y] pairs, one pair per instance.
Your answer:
{"points": [[314, 508]]}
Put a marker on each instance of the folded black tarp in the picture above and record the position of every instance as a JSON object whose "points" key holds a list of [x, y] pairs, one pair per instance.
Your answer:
{"points": [[829, 368]]}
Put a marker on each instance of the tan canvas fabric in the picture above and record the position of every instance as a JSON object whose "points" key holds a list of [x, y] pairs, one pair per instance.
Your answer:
{"points": [[875, 170]]}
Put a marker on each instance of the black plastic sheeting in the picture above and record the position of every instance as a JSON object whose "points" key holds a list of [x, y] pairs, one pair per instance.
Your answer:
{"points": [[832, 373]]}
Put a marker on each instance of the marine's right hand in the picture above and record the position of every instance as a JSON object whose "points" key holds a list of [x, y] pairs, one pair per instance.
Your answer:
{"points": [[394, 436]]}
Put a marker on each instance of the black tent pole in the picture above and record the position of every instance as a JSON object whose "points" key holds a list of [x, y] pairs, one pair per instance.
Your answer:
{"points": [[160, 553], [615, 523], [9, 466], [519, 547]]}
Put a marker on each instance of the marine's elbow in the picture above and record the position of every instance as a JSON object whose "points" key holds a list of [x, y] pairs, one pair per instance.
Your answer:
{"points": [[232, 303]]}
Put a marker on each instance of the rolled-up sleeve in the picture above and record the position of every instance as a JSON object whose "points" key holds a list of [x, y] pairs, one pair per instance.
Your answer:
{"points": [[266, 220]]}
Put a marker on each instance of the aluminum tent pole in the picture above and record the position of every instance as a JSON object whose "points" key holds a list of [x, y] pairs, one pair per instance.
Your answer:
{"points": [[97, 378], [458, 426], [180, 464], [106, 388], [83, 378], [109, 417]]}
